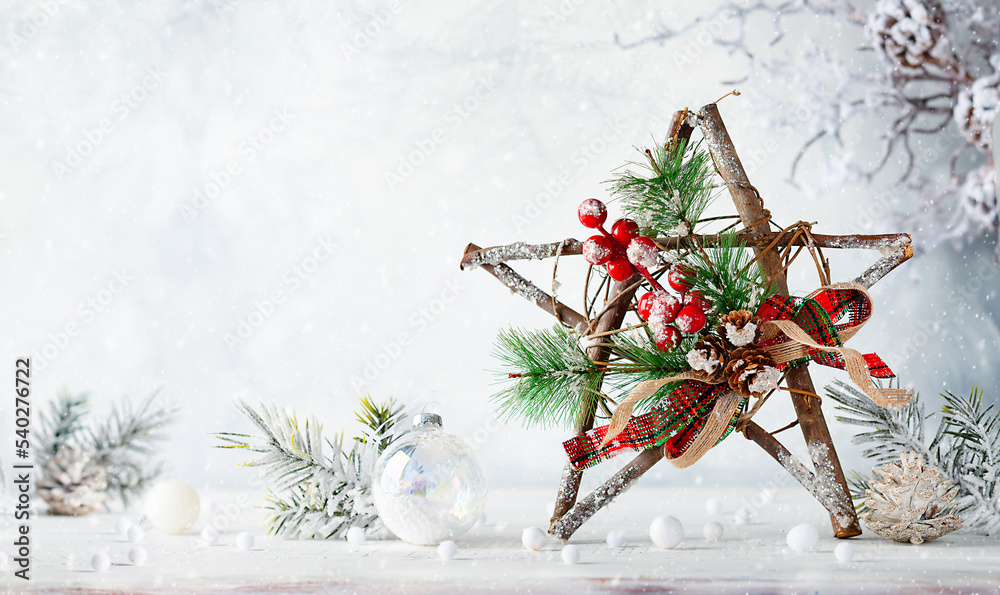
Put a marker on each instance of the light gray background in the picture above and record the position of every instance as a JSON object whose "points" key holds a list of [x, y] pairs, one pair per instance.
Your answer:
{"points": [[556, 96]]}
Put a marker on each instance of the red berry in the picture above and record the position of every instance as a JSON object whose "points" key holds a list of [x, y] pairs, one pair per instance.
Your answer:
{"points": [[645, 303], [598, 250], [690, 320], [697, 299], [643, 252], [680, 278], [592, 213], [665, 306], [667, 338], [624, 230], [620, 269]]}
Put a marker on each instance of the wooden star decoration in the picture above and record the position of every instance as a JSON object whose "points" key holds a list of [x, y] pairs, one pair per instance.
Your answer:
{"points": [[774, 252]]}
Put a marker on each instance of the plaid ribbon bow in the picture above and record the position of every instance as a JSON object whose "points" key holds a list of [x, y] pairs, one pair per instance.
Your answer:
{"points": [[675, 422]]}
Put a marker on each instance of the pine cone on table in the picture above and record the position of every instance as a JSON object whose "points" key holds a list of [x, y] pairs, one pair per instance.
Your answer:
{"points": [[708, 358], [913, 502], [73, 483], [739, 328], [751, 372]]}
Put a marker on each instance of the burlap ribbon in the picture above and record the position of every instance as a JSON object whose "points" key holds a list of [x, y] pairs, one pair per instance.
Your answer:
{"points": [[794, 330]]}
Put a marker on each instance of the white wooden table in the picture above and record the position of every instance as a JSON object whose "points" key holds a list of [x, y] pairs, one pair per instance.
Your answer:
{"points": [[751, 557]]}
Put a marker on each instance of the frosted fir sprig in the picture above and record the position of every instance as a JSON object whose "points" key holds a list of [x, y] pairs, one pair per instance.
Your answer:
{"points": [[965, 445], [317, 488]]}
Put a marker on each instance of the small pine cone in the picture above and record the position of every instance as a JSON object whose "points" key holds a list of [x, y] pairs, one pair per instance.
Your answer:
{"points": [[910, 33], [73, 483], [739, 328], [751, 372], [708, 358], [976, 106]]}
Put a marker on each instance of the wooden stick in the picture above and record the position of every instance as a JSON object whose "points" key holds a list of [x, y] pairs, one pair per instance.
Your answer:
{"points": [[619, 300], [529, 291], [897, 244], [568, 523], [612, 318], [829, 473]]}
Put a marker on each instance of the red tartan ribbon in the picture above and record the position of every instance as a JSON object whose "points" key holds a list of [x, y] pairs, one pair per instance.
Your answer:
{"points": [[817, 315], [675, 422]]}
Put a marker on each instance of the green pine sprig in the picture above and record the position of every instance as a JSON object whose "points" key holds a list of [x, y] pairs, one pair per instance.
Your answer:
{"points": [[727, 276], [552, 376], [61, 423], [668, 191]]}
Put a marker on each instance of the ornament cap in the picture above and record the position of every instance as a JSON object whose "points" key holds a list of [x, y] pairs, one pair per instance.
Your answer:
{"points": [[427, 420]]}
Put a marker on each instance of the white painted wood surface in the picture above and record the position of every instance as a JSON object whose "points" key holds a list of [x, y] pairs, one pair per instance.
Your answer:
{"points": [[751, 557]]}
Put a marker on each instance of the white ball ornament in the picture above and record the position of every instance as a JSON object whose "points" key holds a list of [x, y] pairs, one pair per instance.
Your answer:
{"points": [[100, 562], [615, 538], [209, 535], [172, 506], [844, 551], [136, 534], [802, 538], [356, 536], [570, 554], [244, 541], [533, 538], [447, 550], [666, 531], [713, 531], [137, 555]]}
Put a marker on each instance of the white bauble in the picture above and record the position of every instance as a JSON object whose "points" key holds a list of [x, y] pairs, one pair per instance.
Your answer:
{"points": [[533, 538], [802, 538], [172, 506], [666, 531]]}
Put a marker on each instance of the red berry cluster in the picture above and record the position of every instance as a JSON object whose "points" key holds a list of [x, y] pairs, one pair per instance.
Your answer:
{"points": [[624, 252], [607, 248]]}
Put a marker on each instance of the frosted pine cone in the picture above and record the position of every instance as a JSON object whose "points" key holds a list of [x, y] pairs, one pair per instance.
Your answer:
{"points": [[739, 328], [751, 372], [977, 106], [912, 504], [910, 33], [708, 358], [73, 483]]}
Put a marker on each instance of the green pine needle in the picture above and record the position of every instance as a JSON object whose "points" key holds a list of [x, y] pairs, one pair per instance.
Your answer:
{"points": [[640, 363], [668, 195], [61, 424], [556, 378], [727, 276]]}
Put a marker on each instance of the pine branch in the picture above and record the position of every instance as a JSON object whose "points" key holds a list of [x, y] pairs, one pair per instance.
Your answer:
{"points": [[966, 446], [61, 424], [312, 495], [890, 431], [646, 363], [553, 375], [124, 441], [670, 192], [727, 276], [975, 432]]}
